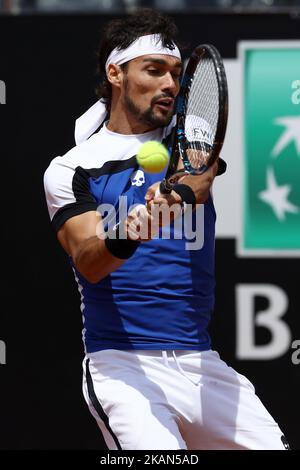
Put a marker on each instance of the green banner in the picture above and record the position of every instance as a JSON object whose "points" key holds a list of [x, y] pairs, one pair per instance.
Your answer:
{"points": [[272, 149]]}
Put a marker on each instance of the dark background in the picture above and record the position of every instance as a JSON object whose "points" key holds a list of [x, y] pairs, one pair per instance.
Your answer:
{"points": [[48, 65]]}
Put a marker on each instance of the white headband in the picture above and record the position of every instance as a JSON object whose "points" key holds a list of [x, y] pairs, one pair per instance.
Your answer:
{"points": [[151, 44], [144, 45]]}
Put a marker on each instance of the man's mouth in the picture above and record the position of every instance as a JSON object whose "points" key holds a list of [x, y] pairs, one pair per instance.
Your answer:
{"points": [[165, 104]]}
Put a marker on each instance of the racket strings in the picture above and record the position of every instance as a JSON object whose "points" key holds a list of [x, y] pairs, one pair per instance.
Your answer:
{"points": [[202, 111]]}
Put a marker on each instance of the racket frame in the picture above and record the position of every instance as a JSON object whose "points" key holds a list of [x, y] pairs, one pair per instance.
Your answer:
{"points": [[179, 140]]}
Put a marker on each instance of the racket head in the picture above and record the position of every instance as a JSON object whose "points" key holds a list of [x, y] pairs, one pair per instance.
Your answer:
{"points": [[202, 113], [202, 109]]}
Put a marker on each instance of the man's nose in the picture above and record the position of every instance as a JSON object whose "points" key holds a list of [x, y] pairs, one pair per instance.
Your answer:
{"points": [[169, 83]]}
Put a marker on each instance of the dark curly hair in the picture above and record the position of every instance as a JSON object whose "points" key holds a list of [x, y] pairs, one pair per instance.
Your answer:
{"points": [[122, 32]]}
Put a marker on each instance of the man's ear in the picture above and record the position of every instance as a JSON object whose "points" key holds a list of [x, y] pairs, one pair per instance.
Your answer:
{"points": [[115, 75]]}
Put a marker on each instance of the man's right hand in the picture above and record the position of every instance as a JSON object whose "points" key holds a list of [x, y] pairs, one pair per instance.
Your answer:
{"points": [[141, 224]]}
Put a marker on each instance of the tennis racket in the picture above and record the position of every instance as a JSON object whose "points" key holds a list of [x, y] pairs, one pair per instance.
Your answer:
{"points": [[202, 109]]}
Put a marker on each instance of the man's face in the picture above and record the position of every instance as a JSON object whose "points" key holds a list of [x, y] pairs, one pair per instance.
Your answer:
{"points": [[151, 84]]}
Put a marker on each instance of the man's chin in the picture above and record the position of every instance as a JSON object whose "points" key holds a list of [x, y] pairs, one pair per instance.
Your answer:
{"points": [[160, 120]]}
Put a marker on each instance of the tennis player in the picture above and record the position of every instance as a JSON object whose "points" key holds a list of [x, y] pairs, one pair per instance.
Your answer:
{"points": [[151, 380]]}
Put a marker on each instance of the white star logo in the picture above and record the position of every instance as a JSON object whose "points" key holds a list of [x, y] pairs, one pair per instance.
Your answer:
{"points": [[291, 133], [277, 197]]}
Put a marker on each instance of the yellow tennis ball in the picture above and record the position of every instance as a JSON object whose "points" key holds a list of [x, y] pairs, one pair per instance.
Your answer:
{"points": [[153, 157]]}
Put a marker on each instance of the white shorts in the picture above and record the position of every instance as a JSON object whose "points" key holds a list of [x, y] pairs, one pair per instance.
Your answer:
{"points": [[175, 400]]}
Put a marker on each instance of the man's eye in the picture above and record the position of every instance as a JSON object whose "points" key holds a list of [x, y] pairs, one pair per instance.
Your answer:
{"points": [[154, 71]]}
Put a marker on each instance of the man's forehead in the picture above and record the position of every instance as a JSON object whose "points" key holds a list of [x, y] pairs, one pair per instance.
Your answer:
{"points": [[162, 59]]}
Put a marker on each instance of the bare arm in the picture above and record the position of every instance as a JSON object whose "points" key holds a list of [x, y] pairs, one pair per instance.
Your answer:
{"points": [[78, 235], [200, 184], [80, 238], [89, 253]]}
